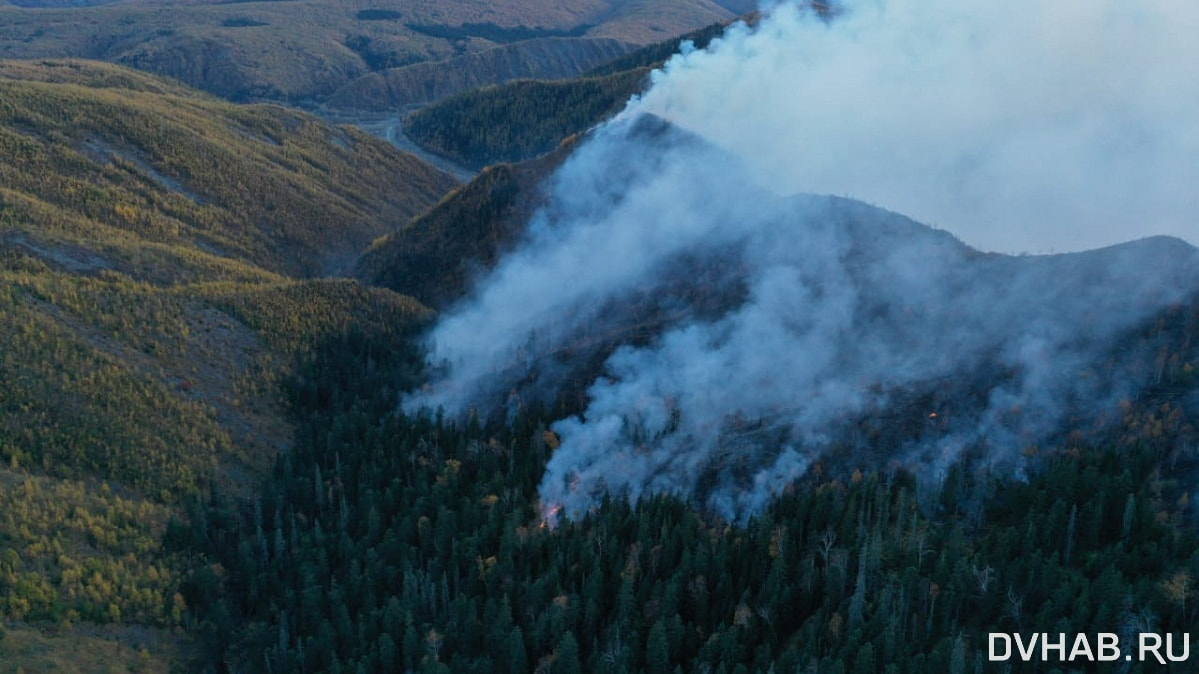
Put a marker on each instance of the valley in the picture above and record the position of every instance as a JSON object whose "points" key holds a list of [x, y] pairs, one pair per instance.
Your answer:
{"points": [[390, 128]]}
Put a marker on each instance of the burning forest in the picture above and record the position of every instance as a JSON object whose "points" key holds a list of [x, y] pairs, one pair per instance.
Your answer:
{"points": [[808, 318]]}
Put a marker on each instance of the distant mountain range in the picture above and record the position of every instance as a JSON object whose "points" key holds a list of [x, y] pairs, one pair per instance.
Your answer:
{"points": [[313, 50]]}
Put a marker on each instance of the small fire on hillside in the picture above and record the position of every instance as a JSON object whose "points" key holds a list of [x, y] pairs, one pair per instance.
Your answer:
{"points": [[549, 515]]}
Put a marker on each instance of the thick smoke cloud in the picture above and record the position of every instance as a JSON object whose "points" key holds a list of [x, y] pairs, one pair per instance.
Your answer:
{"points": [[1019, 127], [741, 335]]}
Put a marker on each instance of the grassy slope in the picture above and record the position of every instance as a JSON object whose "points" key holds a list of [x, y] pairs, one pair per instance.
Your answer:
{"points": [[305, 49], [151, 301]]}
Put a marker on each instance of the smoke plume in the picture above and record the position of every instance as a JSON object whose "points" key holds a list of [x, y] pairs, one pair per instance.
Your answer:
{"points": [[1021, 128], [731, 335]]}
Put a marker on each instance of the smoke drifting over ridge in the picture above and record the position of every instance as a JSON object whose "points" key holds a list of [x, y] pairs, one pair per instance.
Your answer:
{"points": [[761, 332], [1020, 128]]}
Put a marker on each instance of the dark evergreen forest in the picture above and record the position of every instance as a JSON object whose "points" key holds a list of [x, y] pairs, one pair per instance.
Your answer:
{"points": [[387, 543]]}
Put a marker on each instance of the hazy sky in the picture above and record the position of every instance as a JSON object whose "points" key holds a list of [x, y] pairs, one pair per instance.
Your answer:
{"points": [[1020, 127]]}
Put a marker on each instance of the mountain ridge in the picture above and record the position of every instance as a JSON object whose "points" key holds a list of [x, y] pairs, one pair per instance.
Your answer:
{"points": [[519, 120], [302, 51], [421, 83], [664, 303]]}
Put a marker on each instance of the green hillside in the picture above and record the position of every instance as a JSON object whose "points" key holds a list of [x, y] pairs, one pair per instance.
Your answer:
{"points": [[160, 255], [519, 120], [433, 257]]}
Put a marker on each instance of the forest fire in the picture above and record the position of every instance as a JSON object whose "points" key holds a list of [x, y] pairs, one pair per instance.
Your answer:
{"points": [[728, 394], [549, 516]]}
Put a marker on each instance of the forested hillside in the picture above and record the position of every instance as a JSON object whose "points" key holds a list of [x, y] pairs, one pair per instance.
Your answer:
{"points": [[402, 87], [520, 120], [156, 246], [860, 566], [185, 177], [388, 543], [434, 257]]}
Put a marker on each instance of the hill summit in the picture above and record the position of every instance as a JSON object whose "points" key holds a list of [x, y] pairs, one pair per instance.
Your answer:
{"points": [[718, 340]]}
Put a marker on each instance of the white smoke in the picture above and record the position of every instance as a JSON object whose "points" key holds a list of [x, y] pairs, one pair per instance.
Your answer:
{"points": [[760, 332], [1019, 127]]}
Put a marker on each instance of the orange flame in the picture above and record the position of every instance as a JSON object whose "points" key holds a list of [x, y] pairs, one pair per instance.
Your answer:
{"points": [[549, 516]]}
